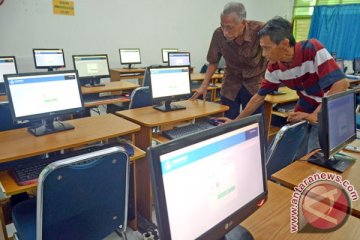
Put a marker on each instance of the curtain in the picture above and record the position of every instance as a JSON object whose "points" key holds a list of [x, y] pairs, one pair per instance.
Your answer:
{"points": [[338, 28]]}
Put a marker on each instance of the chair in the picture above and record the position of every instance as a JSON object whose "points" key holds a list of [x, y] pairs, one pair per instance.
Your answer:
{"points": [[140, 97], [82, 197], [282, 150]]}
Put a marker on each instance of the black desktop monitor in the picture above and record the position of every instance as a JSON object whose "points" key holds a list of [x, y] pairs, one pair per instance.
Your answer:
{"points": [[49, 58], [356, 65], [130, 56], [168, 84], [340, 63], [7, 66], [337, 128], [179, 59], [164, 53], [207, 183], [91, 68], [44, 96]]}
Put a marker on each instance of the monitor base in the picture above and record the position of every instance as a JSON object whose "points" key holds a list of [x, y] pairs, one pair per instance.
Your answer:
{"points": [[339, 162], [238, 233], [169, 107], [48, 128]]}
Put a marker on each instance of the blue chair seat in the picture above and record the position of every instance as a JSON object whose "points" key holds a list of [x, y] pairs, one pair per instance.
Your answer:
{"points": [[24, 217], [358, 121]]}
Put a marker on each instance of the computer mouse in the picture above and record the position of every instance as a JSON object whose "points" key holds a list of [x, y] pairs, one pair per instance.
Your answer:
{"points": [[215, 121]]}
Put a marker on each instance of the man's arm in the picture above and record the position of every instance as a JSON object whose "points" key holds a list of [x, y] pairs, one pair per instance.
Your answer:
{"points": [[337, 87], [203, 88], [255, 102]]}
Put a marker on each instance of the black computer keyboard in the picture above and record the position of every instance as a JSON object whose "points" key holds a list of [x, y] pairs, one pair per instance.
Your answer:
{"points": [[28, 170], [186, 130]]}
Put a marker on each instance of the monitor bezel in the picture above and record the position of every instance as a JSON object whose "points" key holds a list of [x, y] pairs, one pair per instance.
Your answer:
{"points": [[169, 53], [92, 55], [237, 217], [49, 49], [323, 134], [172, 97], [2, 84], [124, 63], [166, 49], [47, 115]]}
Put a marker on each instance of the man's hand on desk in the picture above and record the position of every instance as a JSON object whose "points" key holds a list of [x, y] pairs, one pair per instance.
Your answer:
{"points": [[201, 91], [224, 120], [300, 116]]}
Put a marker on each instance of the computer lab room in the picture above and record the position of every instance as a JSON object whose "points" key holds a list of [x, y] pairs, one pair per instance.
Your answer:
{"points": [[179, 120]]}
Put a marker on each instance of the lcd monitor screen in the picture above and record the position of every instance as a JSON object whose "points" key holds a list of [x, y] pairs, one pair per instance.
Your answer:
{"points": [[7, 66], [49, 58], [179, 59], [165, 52], [207, 180]]}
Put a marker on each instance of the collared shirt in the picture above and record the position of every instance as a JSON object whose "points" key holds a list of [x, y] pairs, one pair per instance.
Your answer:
{"points": [[311, 73], [245, 65]]}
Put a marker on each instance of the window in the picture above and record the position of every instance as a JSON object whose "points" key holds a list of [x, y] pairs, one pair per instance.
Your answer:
{"points": [[303, 10]]}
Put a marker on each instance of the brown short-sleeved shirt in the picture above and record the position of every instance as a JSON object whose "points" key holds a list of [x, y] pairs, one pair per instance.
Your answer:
{"points": [[245, 65]]}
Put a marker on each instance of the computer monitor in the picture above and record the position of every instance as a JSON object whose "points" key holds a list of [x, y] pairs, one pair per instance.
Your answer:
{"points": [[49, 58], [91, 68], [337, 128], [168, 84], [207, 183], [356, 65], [179, 59], [130, 56], [7, 66], [340, 63], [44, 96], [164, 53]]}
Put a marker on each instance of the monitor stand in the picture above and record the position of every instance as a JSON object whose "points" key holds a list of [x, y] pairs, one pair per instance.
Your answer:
{"points": [[339, 162], [238, 233], [167, 107], [49, 126], [94, 82]]}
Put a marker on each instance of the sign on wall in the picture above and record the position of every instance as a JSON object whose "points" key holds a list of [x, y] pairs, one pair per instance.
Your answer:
{"points": [[63, 7]]}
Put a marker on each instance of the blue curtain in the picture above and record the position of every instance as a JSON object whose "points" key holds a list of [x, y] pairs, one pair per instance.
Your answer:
{"points": [[338, 28]]}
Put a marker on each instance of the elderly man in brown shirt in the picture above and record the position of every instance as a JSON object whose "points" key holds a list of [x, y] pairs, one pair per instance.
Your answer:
{"points": [[237, 41]]}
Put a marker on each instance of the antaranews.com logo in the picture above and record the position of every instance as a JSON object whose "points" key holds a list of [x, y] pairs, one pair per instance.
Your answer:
{"points": [[321, 203]]}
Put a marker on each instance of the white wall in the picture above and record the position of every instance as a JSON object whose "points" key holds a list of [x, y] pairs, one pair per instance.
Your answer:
{"points": [[105, 26]]}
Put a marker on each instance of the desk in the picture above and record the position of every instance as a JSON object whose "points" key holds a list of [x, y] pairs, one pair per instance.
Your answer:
{"points": [[3, 98], [116, 74], [201, 76], [296, 172], [270, 100], [148, 118], [110, 87], [214, 88], [19, 143], [272, 221]]}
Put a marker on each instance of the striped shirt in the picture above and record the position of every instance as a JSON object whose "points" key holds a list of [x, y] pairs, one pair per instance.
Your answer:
{"points": [[311, 73]]}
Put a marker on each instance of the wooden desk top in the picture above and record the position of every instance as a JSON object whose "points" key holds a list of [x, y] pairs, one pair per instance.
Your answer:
{"points": [[272, 221], [128, 70], [110, 87], [3, 98], [288, 97], [296, 172], [150, 117], [19, 143], [201, 76]]}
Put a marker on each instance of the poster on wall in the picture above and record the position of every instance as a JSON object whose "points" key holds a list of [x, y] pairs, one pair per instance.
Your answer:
{"points": [[63, 7]]}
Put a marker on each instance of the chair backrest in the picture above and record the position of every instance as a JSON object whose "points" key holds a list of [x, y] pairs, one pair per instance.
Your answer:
{"points": [[282, 150], [83, 197], [140, 97]]}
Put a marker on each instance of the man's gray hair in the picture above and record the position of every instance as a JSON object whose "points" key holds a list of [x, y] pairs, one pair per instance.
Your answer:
{"points": [[235, 7]]}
